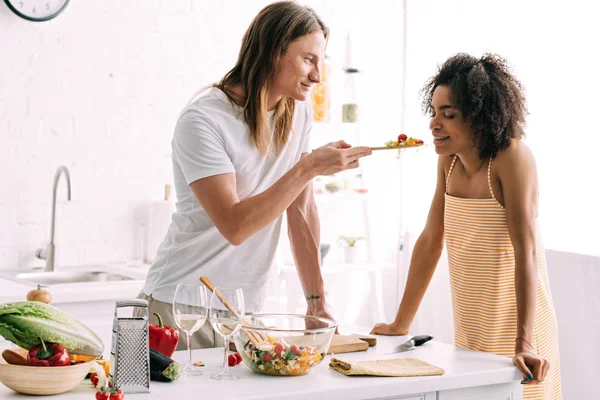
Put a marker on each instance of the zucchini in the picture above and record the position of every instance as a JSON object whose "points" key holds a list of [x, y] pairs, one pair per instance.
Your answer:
{"points": [[163, 368]]}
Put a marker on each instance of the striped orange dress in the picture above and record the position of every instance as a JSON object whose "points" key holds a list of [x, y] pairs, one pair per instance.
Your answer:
{"points": [[482, 277]]}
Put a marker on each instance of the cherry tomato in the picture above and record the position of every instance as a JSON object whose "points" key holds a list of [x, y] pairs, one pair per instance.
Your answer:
{"points": [[268, 357], [102, 395], [295, 350], [238, 357], [119, 395], [278, 349], [231, 360], [94, 379], [402, 137]]}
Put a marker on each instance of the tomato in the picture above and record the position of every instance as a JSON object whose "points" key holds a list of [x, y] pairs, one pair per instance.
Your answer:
{"points": [[278, 349], [238, 357], [94, 379], [295, 350], [402, 137], [268, 357], [231, 360], [119, 395], [102, 395]]}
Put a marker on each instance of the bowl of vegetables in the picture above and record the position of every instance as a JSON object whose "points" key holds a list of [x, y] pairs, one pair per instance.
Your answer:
{"points": [[284, 344], [55, 350], [41, 380]]}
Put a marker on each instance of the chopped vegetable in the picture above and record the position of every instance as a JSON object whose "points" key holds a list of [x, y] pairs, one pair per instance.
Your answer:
{"points": [[234, 359], [105, 364], [238, 357], [404, 141], [275, 358], [94, 379]]}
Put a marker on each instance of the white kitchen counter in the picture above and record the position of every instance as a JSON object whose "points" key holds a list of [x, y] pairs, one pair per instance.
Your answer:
{"points": [[469, 375]]}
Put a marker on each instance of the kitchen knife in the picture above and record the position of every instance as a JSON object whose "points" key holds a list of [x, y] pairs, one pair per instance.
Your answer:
{"points": [[412, 343]]}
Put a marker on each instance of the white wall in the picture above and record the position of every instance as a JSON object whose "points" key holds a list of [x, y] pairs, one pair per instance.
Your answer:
{"points": [[552, 49], [98, 89]]}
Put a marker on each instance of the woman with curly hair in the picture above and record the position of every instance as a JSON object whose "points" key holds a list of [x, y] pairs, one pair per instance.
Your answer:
{"points": [[486, 207]]}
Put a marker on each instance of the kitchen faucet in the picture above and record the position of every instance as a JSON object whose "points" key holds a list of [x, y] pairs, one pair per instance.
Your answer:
{"points": [[49, 252]]}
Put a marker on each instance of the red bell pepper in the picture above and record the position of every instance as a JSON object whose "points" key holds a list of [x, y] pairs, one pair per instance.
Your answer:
{"points": [[51, 355], [163, 338]]}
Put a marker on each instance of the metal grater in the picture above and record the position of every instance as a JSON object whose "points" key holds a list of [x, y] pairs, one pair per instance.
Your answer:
{"points": [[129, 354]]}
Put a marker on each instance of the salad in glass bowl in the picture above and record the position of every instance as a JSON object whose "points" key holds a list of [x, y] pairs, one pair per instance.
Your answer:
{"points": [[284, 344]]}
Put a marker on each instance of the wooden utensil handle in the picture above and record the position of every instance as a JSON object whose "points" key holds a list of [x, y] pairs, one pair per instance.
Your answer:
{"points": [[206, 282], [13, 357]]}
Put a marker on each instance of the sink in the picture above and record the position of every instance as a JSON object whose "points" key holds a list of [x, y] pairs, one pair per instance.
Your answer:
{"points": [[66, 277]]}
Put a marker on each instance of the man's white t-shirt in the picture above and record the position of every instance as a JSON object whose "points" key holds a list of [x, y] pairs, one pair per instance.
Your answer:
{"points": [[211, 138]]}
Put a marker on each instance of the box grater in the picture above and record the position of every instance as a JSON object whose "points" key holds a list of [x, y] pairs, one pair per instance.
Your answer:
{"points": [[129, 354]]}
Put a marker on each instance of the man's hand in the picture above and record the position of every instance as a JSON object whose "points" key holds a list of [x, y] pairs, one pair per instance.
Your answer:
{"points": [[318, 312], [335, 157]]}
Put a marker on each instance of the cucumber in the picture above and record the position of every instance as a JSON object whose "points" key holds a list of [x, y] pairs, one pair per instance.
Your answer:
{"points": [[163, 368]]}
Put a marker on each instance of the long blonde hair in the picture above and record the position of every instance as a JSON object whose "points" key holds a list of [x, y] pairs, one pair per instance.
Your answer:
{"points": [[263, 45]]}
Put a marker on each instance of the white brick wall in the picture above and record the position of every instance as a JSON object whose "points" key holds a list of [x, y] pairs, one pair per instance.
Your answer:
{"points": [[98, 89]]}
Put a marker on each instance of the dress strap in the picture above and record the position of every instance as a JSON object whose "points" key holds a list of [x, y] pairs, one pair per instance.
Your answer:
{"points": [[490, 179], [450, 171]]}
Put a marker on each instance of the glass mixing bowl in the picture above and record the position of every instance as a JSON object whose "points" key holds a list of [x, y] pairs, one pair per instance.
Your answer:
{"points": [[284, 344]]}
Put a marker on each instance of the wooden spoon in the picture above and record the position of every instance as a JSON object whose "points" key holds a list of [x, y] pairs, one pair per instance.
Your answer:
{"points": [[255, 337], [14, 357]]}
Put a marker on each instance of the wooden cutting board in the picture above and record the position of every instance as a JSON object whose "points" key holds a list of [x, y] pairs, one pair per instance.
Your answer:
{"points": [[351, 343]]}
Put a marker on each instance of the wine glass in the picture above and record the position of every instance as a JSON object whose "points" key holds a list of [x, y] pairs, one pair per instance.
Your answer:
{"points": [[190, 309], [226, 315]]}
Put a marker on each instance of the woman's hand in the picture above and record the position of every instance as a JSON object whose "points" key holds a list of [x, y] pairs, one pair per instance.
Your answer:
{"points": [[534, 367], [335, 157], [388, 330]]}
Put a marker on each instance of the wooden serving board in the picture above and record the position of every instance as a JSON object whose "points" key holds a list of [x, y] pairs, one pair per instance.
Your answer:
{"points": [[406, 146], [351, 343]]}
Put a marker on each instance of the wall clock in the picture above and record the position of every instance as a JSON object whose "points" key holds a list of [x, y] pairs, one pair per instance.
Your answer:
{"points": [[37, 10]]}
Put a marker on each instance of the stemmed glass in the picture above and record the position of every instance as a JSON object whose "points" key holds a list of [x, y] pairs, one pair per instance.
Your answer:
{"points": [[226, 315], [190, 309]]}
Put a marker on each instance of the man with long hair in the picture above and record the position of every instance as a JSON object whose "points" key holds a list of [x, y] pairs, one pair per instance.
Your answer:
{"points": [[241, 159]]}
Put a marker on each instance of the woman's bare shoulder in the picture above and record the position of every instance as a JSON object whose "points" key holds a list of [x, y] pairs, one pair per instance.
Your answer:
{"points": [[517, 156]]}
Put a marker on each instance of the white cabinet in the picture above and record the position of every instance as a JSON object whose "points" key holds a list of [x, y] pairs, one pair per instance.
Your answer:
{"points": [[424, 396], [505, 391]]}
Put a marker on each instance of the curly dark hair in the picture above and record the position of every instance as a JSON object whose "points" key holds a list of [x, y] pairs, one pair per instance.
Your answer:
{"points": [[486, 91]]}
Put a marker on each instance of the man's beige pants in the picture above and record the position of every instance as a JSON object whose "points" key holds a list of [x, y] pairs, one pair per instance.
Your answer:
{"points": [[204, 338]]}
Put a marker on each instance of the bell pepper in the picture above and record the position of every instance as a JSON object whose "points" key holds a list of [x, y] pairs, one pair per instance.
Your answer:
{"points": [[163, 338], [50, 355]]}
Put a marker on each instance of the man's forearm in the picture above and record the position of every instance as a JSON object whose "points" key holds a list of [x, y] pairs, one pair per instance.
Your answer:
{"points": [[254, 213], [304, 233]]}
